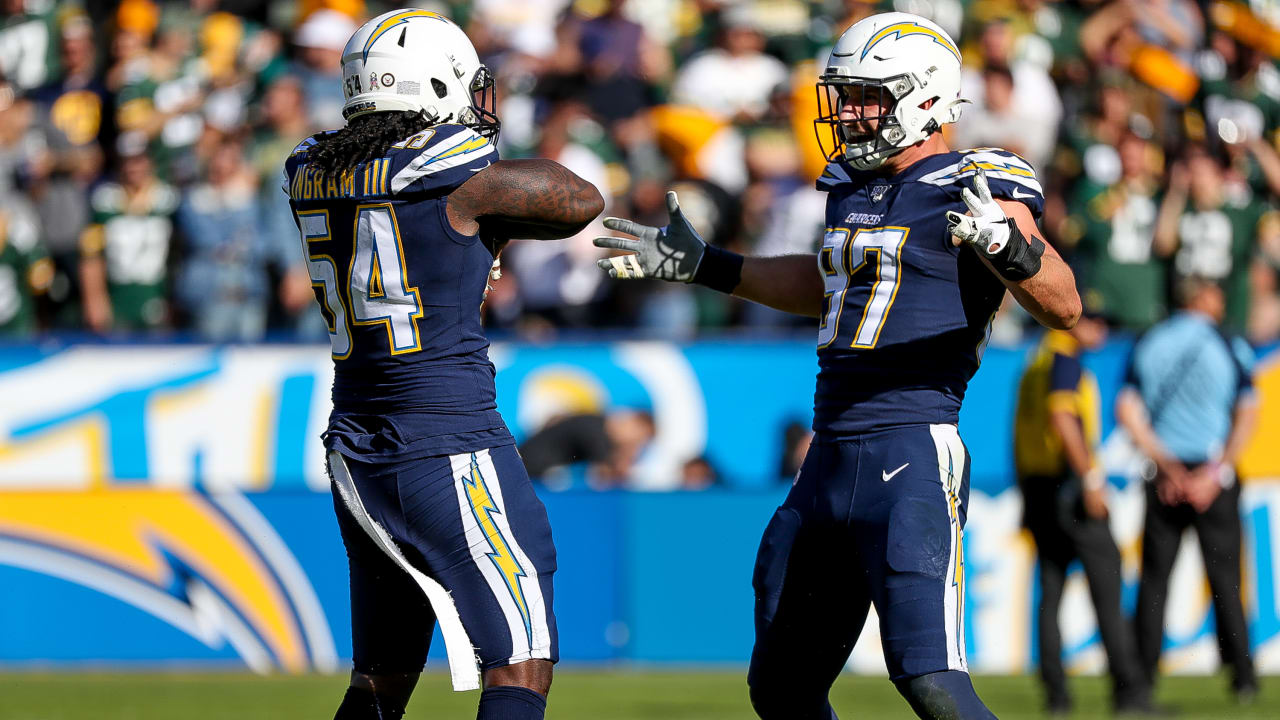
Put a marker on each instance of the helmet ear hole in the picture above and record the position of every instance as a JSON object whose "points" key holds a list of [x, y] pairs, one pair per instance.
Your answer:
{"points": [[440, 88]]}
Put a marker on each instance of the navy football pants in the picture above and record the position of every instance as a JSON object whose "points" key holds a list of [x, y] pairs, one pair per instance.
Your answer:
{"points": [[878, 520], [470, 522]]}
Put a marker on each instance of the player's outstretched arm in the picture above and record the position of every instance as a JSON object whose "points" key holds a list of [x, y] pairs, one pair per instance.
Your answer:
{"points": [[532, 199], [1005, 236], [677, 253]]}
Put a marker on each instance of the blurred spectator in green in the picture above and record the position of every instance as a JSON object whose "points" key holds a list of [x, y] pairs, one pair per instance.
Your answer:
{"points": [[29, 42], [25, 272], [1209, 226], [1116, 207], [25, 269], [124, 263]]}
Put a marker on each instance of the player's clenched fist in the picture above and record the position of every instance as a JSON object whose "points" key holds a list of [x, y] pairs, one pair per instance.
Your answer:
{"points": [[992, 233], [667, 253]]}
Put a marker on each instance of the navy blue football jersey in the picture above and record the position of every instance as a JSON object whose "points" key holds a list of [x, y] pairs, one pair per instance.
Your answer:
{"points": [[401, 291], [906, 314]]}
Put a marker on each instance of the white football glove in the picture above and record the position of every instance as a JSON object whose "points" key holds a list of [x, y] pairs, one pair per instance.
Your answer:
{"points": [[989, 231], [987, 228]]}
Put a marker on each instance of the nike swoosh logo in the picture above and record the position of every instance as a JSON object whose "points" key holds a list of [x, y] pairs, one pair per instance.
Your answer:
{"points": [[887, 476], [1021, 195]]}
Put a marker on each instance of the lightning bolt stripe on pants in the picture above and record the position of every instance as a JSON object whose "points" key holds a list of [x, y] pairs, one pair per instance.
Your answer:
{"points": [[511, 577], [951, 461]]}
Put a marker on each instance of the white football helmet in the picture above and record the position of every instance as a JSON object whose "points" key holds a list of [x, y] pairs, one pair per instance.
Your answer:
{"points": [[906, 61], [418, 60]]}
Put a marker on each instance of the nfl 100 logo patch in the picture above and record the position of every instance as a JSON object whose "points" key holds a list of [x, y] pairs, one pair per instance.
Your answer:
{"points": [[877, 192]]}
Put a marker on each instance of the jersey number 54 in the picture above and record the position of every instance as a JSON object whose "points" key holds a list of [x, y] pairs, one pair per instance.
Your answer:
{"points": [[374, 290]]}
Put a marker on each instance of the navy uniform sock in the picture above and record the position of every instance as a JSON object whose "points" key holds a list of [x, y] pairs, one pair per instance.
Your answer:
{"points": [[362, 704], [946, 695], [510, 702]]}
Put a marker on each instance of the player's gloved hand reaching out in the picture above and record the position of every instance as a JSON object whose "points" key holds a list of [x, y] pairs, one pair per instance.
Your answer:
{"points": [[675, 253], [667, 253], [994, 234]]}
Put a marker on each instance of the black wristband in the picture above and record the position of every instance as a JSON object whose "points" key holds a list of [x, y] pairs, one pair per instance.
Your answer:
{"points": [[1018, 259], [719, 269]]}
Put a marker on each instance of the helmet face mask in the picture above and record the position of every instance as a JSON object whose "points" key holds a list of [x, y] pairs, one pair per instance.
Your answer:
{"points": [[482, 115], [869, 137], [898, 77]]}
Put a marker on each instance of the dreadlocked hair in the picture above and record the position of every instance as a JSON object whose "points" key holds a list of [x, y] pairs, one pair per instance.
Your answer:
{"points": [[364, 138]]}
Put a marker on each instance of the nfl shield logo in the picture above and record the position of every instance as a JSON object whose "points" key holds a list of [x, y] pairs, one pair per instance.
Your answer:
{"points": [[877, 192]]}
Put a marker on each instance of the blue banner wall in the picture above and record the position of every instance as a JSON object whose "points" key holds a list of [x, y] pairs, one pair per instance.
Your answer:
{"points": [[168, 504]]}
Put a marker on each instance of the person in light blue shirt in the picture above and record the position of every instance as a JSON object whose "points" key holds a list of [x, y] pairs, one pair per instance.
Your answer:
{"points": [[1188, 402]]}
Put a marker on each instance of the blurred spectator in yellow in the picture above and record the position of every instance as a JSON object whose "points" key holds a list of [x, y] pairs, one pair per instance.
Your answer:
{"points": [[1056, 435], [124, 263], [222, 284], [736, 78], [29, 42], [1115, 207], [1209, 231], [320, 39]]}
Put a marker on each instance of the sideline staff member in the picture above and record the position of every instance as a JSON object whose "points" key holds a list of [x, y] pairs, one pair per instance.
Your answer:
{"points": [[1065, 508], [1189, 405]]}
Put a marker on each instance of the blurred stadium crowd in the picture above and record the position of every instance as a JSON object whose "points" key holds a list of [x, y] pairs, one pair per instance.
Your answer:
{"points": [[141, 146]]}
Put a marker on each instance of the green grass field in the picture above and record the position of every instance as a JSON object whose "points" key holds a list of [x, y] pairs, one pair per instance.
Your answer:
{"points": [[578, 695]]}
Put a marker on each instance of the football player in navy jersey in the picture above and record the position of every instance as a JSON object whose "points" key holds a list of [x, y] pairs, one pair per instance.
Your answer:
{"points": [[403, 213], [921, 245]]}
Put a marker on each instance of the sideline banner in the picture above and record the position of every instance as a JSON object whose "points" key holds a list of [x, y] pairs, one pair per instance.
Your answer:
{"points": [[169, 504]]}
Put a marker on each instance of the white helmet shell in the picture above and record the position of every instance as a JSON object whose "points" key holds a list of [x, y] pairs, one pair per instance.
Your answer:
{"points": [[415, 60], [911, 58]]}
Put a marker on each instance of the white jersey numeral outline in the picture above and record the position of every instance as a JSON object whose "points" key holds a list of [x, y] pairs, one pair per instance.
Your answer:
{"points": [[378, 286], [885, 243], [377, 291]]}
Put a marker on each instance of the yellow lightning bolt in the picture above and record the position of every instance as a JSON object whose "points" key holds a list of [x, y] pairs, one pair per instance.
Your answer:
{"points": [[394, 20], [483, 508], [909, 28]]}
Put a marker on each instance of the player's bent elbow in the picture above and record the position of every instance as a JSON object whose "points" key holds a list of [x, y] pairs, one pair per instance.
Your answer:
{"points": [[1062, 315], [590, 203], [1072, 316]]}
